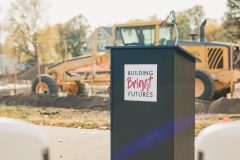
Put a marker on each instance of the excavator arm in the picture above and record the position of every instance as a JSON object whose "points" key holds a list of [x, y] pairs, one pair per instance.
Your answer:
{"points": [[57, 71]]}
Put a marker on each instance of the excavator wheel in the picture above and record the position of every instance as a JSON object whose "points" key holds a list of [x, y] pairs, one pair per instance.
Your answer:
{"points": [[75, 88], [45, 85], [204, 85]]}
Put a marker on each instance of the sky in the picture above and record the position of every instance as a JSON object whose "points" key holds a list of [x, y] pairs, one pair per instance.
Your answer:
{"points": [[109, 12]]}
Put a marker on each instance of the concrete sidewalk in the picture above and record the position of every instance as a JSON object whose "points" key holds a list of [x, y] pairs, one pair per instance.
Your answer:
{"points": [[78, 144]]}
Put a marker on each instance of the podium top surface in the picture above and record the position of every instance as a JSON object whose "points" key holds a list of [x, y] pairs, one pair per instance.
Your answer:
{"points": [[179, 50]]}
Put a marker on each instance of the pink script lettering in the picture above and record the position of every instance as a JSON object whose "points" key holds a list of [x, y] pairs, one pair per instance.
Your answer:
{"points": [[143, 84]]}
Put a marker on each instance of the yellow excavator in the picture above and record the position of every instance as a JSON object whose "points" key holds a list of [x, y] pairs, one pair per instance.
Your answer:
{"points": [[72, 75], [218, 69], [217, 72]]}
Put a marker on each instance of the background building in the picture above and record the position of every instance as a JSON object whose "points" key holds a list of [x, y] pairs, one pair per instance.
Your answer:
{"points": [[104, 39]]}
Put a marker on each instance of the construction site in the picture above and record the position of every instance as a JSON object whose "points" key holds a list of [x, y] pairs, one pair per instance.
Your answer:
{"points": [[91, 99], [88, 76], [84, 82]]}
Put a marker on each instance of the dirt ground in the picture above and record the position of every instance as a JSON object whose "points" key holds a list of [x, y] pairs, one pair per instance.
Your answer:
{"points": [[94, 118], [94, 112], [44, 100], [222, 105], [51, 110]]}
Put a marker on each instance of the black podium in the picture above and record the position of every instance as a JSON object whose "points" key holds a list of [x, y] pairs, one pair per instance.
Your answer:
{"points": [[152, 103]]}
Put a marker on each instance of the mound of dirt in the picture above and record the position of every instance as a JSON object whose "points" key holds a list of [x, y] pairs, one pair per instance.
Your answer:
{"points": [[31, 73], [28, 74], [224, 105], [201, 106], [36, 100]]}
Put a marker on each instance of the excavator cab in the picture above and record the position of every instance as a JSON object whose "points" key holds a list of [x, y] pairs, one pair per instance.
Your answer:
{"points": [[154, 33], [136, 36], [144, 34]]}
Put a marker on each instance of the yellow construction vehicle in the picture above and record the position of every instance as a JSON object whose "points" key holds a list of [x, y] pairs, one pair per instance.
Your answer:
{"points": [[71, 76], [217, 72], [62, 77]]}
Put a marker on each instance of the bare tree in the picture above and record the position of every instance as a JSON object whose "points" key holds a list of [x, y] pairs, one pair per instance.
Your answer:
{"points": [[24, 19]]}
